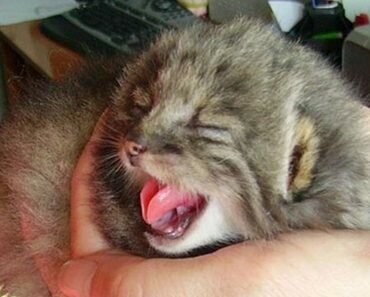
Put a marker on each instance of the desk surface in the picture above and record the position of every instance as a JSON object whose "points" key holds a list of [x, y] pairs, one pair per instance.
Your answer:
{"points": [[43, 54]]}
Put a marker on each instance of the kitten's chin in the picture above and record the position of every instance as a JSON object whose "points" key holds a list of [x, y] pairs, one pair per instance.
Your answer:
{"points": [[208, 227]]}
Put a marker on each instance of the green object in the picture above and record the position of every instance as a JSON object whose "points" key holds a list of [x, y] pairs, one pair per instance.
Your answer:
{"points": [[324, 30], [328, 35]]}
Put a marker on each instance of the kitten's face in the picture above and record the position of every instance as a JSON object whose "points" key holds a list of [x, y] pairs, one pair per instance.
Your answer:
{"points": [[189, 145], [181, 138], [185, 142], [192, 144]]}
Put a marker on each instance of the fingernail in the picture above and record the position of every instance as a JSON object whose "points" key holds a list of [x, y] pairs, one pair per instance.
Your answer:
{"points": [[75, 277]]}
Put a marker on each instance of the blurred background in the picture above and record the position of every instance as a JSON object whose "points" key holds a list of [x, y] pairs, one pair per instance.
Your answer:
{"points": [[49, 38]]}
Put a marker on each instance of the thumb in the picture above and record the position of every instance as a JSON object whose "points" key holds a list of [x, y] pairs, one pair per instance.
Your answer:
{"points": [[116, 274], [100, 275], [75, 277]]}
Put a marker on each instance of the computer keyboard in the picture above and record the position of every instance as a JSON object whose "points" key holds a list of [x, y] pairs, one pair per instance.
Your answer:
{"points": [[112, 26]]}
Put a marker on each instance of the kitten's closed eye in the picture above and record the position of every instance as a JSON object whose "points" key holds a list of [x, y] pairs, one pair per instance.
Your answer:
{"points": [[212, 132], [209, 131]]}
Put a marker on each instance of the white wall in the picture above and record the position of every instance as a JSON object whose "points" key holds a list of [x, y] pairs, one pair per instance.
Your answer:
{"points": [[354, 7]]}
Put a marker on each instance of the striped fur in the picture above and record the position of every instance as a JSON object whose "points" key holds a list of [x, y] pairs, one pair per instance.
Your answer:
{"points": [[222, 110]]}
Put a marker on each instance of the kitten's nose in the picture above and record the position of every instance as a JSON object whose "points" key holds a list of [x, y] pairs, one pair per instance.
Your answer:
{"points": [[133, 151]]}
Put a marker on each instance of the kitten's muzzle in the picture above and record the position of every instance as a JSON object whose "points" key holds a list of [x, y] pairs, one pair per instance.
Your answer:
{"points": [[133, 151]]}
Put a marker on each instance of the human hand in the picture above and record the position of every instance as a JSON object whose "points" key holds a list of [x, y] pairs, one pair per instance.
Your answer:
{"points": [[301, 264]]}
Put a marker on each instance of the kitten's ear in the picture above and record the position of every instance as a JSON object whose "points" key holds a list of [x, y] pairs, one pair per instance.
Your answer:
{"points": [[303, 156]]}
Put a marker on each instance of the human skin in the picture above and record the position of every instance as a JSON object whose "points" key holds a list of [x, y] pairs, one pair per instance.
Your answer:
{"points": [[305, 264]]}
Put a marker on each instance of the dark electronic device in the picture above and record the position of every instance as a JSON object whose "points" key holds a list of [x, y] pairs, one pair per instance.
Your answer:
{"points": [[324, 28], [115, 26]]}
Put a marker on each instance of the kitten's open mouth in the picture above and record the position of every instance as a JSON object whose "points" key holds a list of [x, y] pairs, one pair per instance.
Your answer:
{"points": [[168, 211]]}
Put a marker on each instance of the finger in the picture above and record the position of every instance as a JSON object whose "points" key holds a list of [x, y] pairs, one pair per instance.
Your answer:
{"points": [[100, 271], [305, 264], [114, 274], [119, 275], [85, 236]]}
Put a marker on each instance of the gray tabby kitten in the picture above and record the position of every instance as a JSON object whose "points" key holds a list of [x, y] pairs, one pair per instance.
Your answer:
{"points": [[215, 134]]}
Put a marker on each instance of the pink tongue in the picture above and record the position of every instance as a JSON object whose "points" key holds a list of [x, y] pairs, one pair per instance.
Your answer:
{"points": [[157, 200]]}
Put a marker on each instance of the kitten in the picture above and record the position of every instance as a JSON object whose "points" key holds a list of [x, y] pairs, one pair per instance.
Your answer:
{"points": [[215, 134]]}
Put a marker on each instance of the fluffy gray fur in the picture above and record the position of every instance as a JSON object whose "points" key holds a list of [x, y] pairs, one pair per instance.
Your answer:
{"points": [[222, 110]]}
